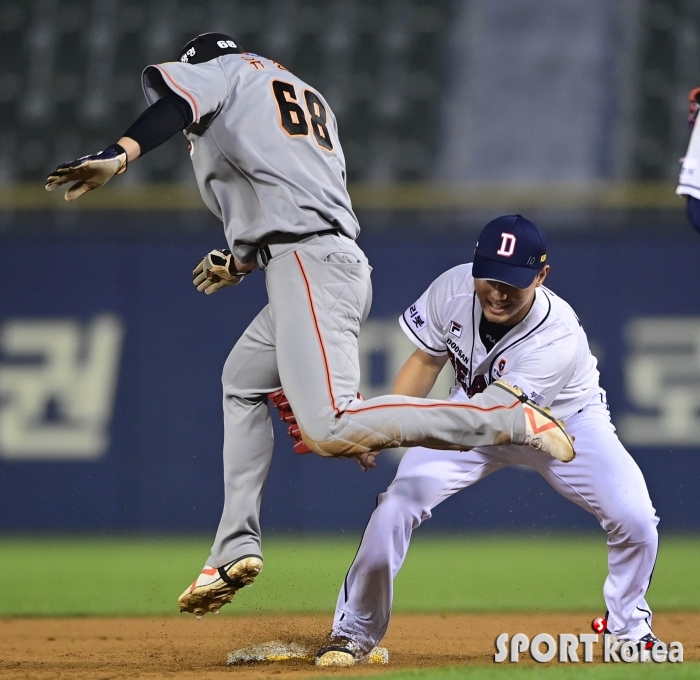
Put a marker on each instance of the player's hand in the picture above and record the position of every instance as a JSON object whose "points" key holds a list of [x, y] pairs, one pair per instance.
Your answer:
{"points": [[280, 401], [366, 460], [90, 172], [216, 270], [694, 101]]}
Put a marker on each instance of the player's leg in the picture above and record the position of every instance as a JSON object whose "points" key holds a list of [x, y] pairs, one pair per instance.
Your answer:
{"points": [[605, 480], [250, 373], [318, 307], [425, 478], [318, 301]]}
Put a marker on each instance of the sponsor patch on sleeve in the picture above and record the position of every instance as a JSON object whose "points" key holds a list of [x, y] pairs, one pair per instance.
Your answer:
{"points": [[416, 318], [456, 329], [531, 393], [536, 397]]}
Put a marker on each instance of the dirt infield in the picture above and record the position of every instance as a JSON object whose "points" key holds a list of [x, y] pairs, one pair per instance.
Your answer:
{"points": [[184, 648]]}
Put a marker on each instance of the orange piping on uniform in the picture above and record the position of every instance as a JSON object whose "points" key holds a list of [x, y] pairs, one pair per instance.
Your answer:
{"points": [[485, 409], [318, 332]]}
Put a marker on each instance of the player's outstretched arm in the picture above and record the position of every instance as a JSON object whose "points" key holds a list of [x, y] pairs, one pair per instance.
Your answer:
{"points": [[418, 374], [158, 123], [415, 379], [89, 172]]}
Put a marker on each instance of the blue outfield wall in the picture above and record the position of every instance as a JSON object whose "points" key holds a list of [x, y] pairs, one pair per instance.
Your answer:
{"points": [[110, 396]]}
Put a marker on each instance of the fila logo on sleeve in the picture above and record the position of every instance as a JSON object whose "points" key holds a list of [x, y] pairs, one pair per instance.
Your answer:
{"points": [[456, 329], [507, 245]]}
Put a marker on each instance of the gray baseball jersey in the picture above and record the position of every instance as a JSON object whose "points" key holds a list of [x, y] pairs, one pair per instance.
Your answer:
{"points": [[264, 147]]}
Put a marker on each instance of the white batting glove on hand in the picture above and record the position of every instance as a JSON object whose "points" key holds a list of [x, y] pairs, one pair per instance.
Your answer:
{"points": [[90, 172], [214, 272]]}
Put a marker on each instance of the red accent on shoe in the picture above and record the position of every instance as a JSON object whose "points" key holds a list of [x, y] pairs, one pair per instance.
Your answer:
{"points": [[531, 417]]}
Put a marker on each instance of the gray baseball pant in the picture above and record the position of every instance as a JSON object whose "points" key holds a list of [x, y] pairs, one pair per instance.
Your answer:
{"points": [[305, 340]]}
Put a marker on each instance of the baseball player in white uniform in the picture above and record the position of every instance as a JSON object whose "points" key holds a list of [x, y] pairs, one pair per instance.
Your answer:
{"points": [[268, 162], [493, 320], [689, 180]]}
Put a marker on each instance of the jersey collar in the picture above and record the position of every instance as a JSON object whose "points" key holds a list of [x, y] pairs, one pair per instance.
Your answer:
{"points": [[535, 317]]}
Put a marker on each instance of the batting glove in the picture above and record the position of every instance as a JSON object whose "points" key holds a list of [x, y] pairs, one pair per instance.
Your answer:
{"points": [[90, 172], [214, 272], [280, 401]]}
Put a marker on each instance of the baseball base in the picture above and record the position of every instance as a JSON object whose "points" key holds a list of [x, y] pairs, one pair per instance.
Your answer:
{"points": [[276, 650]]}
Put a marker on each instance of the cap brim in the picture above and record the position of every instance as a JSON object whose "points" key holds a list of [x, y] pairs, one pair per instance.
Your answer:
{"points": [[494, 270]]}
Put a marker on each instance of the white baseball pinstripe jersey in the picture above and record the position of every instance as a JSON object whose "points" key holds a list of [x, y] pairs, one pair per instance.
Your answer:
{"points": [[689, 180], [265, 148], [546, 354]]}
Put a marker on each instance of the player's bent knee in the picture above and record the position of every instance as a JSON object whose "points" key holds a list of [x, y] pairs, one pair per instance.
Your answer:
{"points": [[345, 435], [323, 438], [395, 511], [332, 448], [319, 439], [408, 498], [640, 529]]}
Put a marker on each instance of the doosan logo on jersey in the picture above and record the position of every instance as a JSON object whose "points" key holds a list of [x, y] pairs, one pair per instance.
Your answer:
{"points": [[455, 347]]}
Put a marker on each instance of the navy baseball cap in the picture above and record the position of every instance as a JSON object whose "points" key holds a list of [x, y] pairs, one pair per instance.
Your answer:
{"points": [[510, 249], [208, 46]]}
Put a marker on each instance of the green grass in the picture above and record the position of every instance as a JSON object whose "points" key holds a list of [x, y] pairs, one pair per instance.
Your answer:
{"points": [[466, 573], [620, 671]]}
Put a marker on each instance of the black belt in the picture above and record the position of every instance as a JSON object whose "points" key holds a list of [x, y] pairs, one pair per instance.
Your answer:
{"points": [[282, 238]]}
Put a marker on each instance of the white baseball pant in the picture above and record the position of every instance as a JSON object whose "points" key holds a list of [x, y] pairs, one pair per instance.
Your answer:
{"points": [[603, 479]]}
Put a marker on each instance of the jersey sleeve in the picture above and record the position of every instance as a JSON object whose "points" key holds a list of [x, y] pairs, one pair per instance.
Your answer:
{"points": [[203, 86], [422, 323], [689, 180], [544, 372]]}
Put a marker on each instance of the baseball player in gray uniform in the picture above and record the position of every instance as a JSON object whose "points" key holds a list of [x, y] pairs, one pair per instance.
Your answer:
{"points": [[268, 162], [492, 320]]}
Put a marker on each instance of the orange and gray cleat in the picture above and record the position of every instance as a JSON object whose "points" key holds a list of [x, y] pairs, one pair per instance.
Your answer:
{"points": [[542, 430]]}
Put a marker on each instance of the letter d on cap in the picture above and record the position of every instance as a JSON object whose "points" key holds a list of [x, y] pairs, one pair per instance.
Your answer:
{"points": [[507, 245]]}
